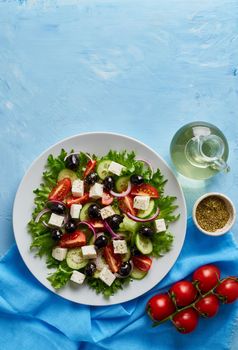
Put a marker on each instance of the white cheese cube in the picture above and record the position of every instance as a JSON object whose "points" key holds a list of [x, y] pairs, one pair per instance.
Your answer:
{"points": [[106, 212], [56, 220], [141, 202], [75, 210], [120, 246], [160, 225], [59, 253], [96, 191], [115, 168], [89, 252], [77, 277], [78, 188], [107, 276]]}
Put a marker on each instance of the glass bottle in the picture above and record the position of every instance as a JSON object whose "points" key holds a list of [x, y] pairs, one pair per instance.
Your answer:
{"points": [[199, 150]]}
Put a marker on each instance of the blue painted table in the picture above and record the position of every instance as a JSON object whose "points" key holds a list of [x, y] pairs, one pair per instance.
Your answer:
{"points": [[141, 68]]}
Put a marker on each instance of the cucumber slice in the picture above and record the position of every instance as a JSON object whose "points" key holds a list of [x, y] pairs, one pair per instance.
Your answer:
{"points": [[128, 225], [67, 173], [122, 183], [96, 274], [75, 260], [126, 257], [144, 244], [84, 212], [91, 240], [138, 274], [102, 168], [148, 212]]}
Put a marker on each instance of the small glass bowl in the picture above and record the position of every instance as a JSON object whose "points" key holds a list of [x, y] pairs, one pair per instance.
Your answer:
{"points": [[230, 207]]}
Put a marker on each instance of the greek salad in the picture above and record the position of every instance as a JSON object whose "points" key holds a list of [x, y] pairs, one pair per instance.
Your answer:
{"points": [[101, 220]]}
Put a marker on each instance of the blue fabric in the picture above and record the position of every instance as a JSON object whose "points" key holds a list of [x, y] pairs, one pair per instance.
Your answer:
{"points": [[31, 317]]}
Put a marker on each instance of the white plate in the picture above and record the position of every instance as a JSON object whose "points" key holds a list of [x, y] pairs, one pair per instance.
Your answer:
{"points": [[99, 143]]}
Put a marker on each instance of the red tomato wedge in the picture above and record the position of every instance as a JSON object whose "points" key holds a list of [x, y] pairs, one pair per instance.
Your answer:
{"points": [[89, 167], [60, 191], [77, 200], [145, 190], [72, 240], [114, 261], [97, 224], [126, 204], [142, 262], [107, 198]]}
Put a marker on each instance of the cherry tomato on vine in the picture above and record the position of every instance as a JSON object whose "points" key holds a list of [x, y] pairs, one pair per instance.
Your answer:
{"points": [[183, 293], [160, 306], [228, 290], [207, 277], [208, 306], [186, 320]]}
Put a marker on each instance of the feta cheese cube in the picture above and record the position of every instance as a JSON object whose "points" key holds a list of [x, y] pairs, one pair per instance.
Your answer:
{"points": [[77, 277], [59, 253], [115, 168], [77, 188], [56, 220], [107, 276], [96, 191], [160, 225], [75, 210], [141, 202], [89, 252], [120, 246], [106, 212]]}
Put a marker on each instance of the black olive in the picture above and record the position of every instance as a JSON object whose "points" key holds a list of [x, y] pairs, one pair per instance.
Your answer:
{"points": [[56, 234], [91, 179], [101, 241], [72, 162], [114, 221], [94, 211], [125, 269], [108, 183], [146, 231], [89, 269], [136, 179], [58, 208], [70, 226]]}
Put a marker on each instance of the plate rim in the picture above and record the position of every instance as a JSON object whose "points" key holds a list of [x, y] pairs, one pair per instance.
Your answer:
{"points": [[58, 144]]}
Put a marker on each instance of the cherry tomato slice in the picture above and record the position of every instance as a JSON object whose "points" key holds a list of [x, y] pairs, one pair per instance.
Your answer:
{"points": [[126, 205], [145, 190], [60, 191], [89, 167], [72, 240], [114, 261], [107, 198], [142, 262], [77, 200]]}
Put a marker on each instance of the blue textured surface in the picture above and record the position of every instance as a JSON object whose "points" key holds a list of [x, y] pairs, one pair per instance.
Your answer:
{"points": [[141, 68]]}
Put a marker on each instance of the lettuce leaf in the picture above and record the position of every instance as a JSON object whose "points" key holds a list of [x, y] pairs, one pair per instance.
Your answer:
{"points": [[162, 243], [100, 287], [61, 276]]}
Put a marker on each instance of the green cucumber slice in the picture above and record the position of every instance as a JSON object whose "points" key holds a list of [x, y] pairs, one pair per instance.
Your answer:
{"points": [[122, 183], [96, 274], [102, 168], [126, 257], [138, 274], [75, 260], [67, 173], [84, 212], [91, 240], [128, 225], [144, 244], [148, 212]]}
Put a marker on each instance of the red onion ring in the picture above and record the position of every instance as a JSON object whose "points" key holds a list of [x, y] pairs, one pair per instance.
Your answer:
{"points": [[89, 226], [110, 230], [122, 194], [135, 218], [148, 164], [40, 214], [71, 154]]}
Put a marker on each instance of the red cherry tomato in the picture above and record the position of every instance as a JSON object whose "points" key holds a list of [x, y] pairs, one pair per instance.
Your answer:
{"points": [[77, 200], [208, 306], [142, 262], [126, 205], [186, 320], [145, 190], [113, 260], [160, 306], [228, 290], [89, 167], [107, 198], [60, 191], [72, 240], [183, 293], [207, 277]]}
